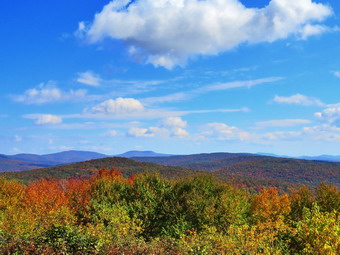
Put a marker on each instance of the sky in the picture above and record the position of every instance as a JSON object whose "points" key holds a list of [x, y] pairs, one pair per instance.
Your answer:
{"points": [[172, 76]]}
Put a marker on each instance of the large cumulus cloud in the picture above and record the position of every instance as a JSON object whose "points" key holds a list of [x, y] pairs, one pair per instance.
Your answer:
{"points": [[167, 32]]}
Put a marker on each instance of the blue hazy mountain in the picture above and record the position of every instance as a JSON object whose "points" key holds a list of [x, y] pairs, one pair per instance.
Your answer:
{"points": [[132, 154]]}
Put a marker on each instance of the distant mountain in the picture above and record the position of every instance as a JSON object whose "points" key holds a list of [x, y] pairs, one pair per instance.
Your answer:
{"points": [[39, 159], [60, 157], [20, 162], [131, 154], [273, 155], [73, 156], [239, 166], [11, 165], [329, 158]]}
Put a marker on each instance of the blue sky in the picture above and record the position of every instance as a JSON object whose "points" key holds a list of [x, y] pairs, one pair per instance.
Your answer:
{"points": [[173, 76]]}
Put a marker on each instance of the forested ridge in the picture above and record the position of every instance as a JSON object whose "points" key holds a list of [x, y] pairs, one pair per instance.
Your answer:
{"points": [[149, 214], [291, 170], [127, 166]]}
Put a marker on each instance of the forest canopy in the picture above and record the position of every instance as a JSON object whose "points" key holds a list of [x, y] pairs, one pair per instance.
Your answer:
{"points": [[149, 214]]}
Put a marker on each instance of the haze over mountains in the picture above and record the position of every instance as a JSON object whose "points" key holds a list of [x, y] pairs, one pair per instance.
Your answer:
{"points": [[131, 154], [20, 162], [244, 168]]}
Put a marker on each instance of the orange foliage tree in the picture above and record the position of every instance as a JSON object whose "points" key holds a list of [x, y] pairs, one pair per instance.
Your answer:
{"points": [[45, 198]]}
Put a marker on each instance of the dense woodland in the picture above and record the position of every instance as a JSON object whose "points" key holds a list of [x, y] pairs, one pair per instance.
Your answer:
{"points": [[128, 167], [149, 214], [299, 171]]}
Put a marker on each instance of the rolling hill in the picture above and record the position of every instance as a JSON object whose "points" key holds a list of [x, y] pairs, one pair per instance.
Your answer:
{"points": [[240, 168], [128, 167], [203, 161], [286, 169], [88, 168]]}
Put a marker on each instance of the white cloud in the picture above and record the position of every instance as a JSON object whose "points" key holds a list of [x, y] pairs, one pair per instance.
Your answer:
{"points": [[174, 122], [281, 135], [336, 74], [46, 93], [222, 131], [298, 99], [47, 119], [323, 132], [170, 126], [330, 115], [167, 32], [89, 78], [139, 132], [119, 106], [281, 123], [180, 132], [175, 125]]}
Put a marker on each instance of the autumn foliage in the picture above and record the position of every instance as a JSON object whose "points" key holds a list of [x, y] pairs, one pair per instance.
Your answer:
{"points": [[147, 214]]}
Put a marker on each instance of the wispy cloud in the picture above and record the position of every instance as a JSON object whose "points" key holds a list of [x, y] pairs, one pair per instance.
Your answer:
{"points": [[298, 99], [49, 93], [130, 108], [238, 84], [166, 99], [336, 73], [209, 88], [222, 132], [149, 114], [330, 115], [44, 119], [281, 123], [17, 138], [323, 132], [89, 78], [134, 109]]}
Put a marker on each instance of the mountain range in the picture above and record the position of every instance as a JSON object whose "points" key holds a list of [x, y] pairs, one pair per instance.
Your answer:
{"points": [[20, 162], [241, 168], [130, 167]]}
